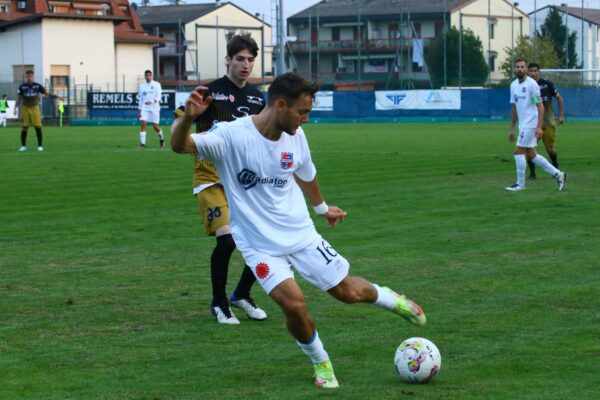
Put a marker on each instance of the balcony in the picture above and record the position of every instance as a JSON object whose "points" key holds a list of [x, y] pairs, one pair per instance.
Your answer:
{"points": [[352, 46]]}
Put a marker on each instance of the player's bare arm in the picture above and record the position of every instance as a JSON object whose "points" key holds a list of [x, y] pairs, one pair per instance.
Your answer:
{"points": [[195, 105], [513, 122], [312, 191], [561, 115]]}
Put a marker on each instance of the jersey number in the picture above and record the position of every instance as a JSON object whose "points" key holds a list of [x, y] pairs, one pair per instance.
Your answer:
{"points": [[213, 213], [325, 249]]}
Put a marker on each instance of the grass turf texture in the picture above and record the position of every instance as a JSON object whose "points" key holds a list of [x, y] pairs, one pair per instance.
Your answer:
{"points": [[104, 270]]}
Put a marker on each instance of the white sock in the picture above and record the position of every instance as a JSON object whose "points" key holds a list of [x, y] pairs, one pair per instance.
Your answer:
{"points": [[384, 298], [143, 137], [160, 135], [541, 161], [314, 349], [521, 167]]}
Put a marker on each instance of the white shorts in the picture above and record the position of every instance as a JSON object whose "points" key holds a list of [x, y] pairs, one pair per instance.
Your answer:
{"points": [[318, 263], [150, 116], [527, 138]]}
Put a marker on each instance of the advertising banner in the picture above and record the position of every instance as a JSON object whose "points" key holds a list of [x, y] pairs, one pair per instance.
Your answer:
{"points": [[417, 100], [323, 101], [124, 101]]}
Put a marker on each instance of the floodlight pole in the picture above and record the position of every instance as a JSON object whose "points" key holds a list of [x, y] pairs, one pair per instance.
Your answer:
{"points": [[582, 36], [534, 31], [280, 40], [566, 36], [460, 25]]}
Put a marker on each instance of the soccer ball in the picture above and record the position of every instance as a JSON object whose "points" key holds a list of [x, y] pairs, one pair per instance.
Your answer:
{"points": [[417, 360]]}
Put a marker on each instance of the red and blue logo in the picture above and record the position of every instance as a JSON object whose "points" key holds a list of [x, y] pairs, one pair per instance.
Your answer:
{"points": [[287, 160]]}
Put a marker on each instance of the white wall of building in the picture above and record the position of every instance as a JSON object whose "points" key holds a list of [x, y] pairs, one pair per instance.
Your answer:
{"points": [[21, 45], [211, 41], [89, 53], [510, 23], [132, 60]]}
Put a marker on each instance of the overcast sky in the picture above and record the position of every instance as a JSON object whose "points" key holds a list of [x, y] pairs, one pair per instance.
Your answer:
{"points": [[291, 7]]}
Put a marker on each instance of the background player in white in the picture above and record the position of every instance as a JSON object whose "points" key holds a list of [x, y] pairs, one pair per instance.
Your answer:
{"points": [[265, 165], [150, 93], [527, 107]]}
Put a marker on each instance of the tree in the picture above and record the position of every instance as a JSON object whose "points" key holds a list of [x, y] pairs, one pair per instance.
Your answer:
{"points": [[545, 55], [554, 28], [474, 68]]}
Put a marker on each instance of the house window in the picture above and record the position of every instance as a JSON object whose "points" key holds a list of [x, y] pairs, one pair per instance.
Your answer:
{"points": [[439, 29], [493, 57], [80, 12], [4, 8], [335, 33], [417, 27], [493, 22]]}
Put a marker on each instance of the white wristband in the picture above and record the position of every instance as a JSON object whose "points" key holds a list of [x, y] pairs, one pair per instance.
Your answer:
{"points": [[321, 208]]}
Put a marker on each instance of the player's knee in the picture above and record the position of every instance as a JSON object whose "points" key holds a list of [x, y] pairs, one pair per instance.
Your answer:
{"points": [[226, 243], [294, 307]]}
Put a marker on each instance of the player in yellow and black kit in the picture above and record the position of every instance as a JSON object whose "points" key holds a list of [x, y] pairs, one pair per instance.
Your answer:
{"points": [[231, 98], [28, 101], [547, 91]]}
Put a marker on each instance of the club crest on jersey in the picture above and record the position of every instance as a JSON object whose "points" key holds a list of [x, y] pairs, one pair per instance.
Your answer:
{"points": [[523, 90], [287, 160], [262, 270]]}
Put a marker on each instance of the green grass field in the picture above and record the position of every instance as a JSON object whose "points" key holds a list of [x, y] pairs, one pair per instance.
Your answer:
{"points": [[104, 270]]}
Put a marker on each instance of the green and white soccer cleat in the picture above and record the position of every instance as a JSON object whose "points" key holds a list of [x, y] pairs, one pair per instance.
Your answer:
{"points": [[324, 376], [407, 308]]}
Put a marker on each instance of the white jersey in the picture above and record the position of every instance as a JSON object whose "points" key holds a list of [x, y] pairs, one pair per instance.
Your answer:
{"points": [[149, 91], [267, 208], [526, 95]]}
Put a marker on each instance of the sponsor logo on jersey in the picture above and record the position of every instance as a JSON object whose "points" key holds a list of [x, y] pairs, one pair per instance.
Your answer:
{"points": [[243, 110], [287, 160], [223, 97], [248, 179], [262, 270], [254, 100]]}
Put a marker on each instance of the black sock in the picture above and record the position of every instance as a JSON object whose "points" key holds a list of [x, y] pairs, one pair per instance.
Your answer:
{"points": [[23, 137], [219, 266], [38, 132], [245, 284], [531, 167], [554, 159]]}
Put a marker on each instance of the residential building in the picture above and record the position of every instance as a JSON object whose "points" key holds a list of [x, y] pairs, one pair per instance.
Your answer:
{"points": [[97, 44], [583, 21], [378, 39], [197, 35]]}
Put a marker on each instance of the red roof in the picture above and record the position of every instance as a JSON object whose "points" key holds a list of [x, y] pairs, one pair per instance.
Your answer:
{"points": [[127, 26]]}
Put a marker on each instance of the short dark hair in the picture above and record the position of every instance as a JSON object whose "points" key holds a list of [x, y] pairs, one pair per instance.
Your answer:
{"points": [[147, 72], [534, 65], [290, 87], [241, 42], [29, 72], [518, 60]]}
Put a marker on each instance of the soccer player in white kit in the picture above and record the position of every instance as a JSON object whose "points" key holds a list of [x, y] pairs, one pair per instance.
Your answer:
{"points": [[149, 96], [528, 108], [265, 166]]}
